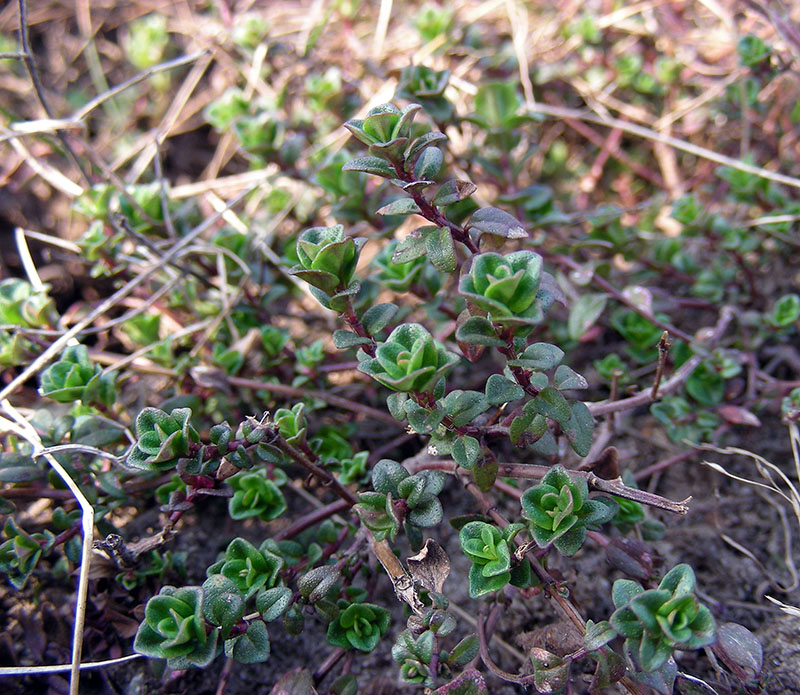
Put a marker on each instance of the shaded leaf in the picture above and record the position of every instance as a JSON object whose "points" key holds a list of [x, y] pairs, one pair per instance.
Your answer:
{"points": [[478, 330], [465, 451], [598, 634], [377, 317], [402, 206], [343, 339], [370, 165], [484, 473], [551, 403], [584, 313], [413, 246], [740, 650], [566, 378], [252, 647], [454, 191], [550, 672], [501, 390], [465, 651], [441, 252], [498, 223], [296, 682], [579, 428], [429, 163]]}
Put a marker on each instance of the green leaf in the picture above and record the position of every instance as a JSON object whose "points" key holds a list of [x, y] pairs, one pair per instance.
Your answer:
{"points": [[370, 165], [551, 403], [273, 603], [454, 191], [496, 103], [223, 603], [359, 626], [624, 590], [654, 653], [706, 385], [480, 585], [18, 468], [441, 251], [429, 163], [785, 312], [464, 406], [584, 313], [318, 582], [484, 473], [501, 390], [679, 580], [579, 428], [571, 541], [598, 634], [401, 206], [498, 223], [422, 420], [377, 317], [661, 680], [391, 151], [466, 451], [413, 246], [477, 330], [343, 685], [425, 514], [395, 403], [416, 148], [252, 647], [566, 378], [465, 651], [541, 356], [387, 476], [343, 339], [339, 301]]}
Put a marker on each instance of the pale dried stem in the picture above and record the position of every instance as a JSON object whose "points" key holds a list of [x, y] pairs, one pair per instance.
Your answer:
{"points": [[682, 145], [767, 470], [19, 425]]}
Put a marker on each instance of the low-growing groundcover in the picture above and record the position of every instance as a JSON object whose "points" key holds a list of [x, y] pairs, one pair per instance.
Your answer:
{"points": [[399, 348]]}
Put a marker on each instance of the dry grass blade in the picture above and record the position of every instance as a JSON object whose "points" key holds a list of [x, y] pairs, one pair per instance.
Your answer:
{"points": [[786, 608], [678, 144], [20, 426], [791, 496], [85, 666], [54, 348]]}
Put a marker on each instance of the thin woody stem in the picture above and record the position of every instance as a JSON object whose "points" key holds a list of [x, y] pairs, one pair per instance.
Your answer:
{"points": [[325, 477], [664, 344], [350, 317], [431, 213], [312, 519], [533, 472], [677, 380], [483, 642], [331, 399]]}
